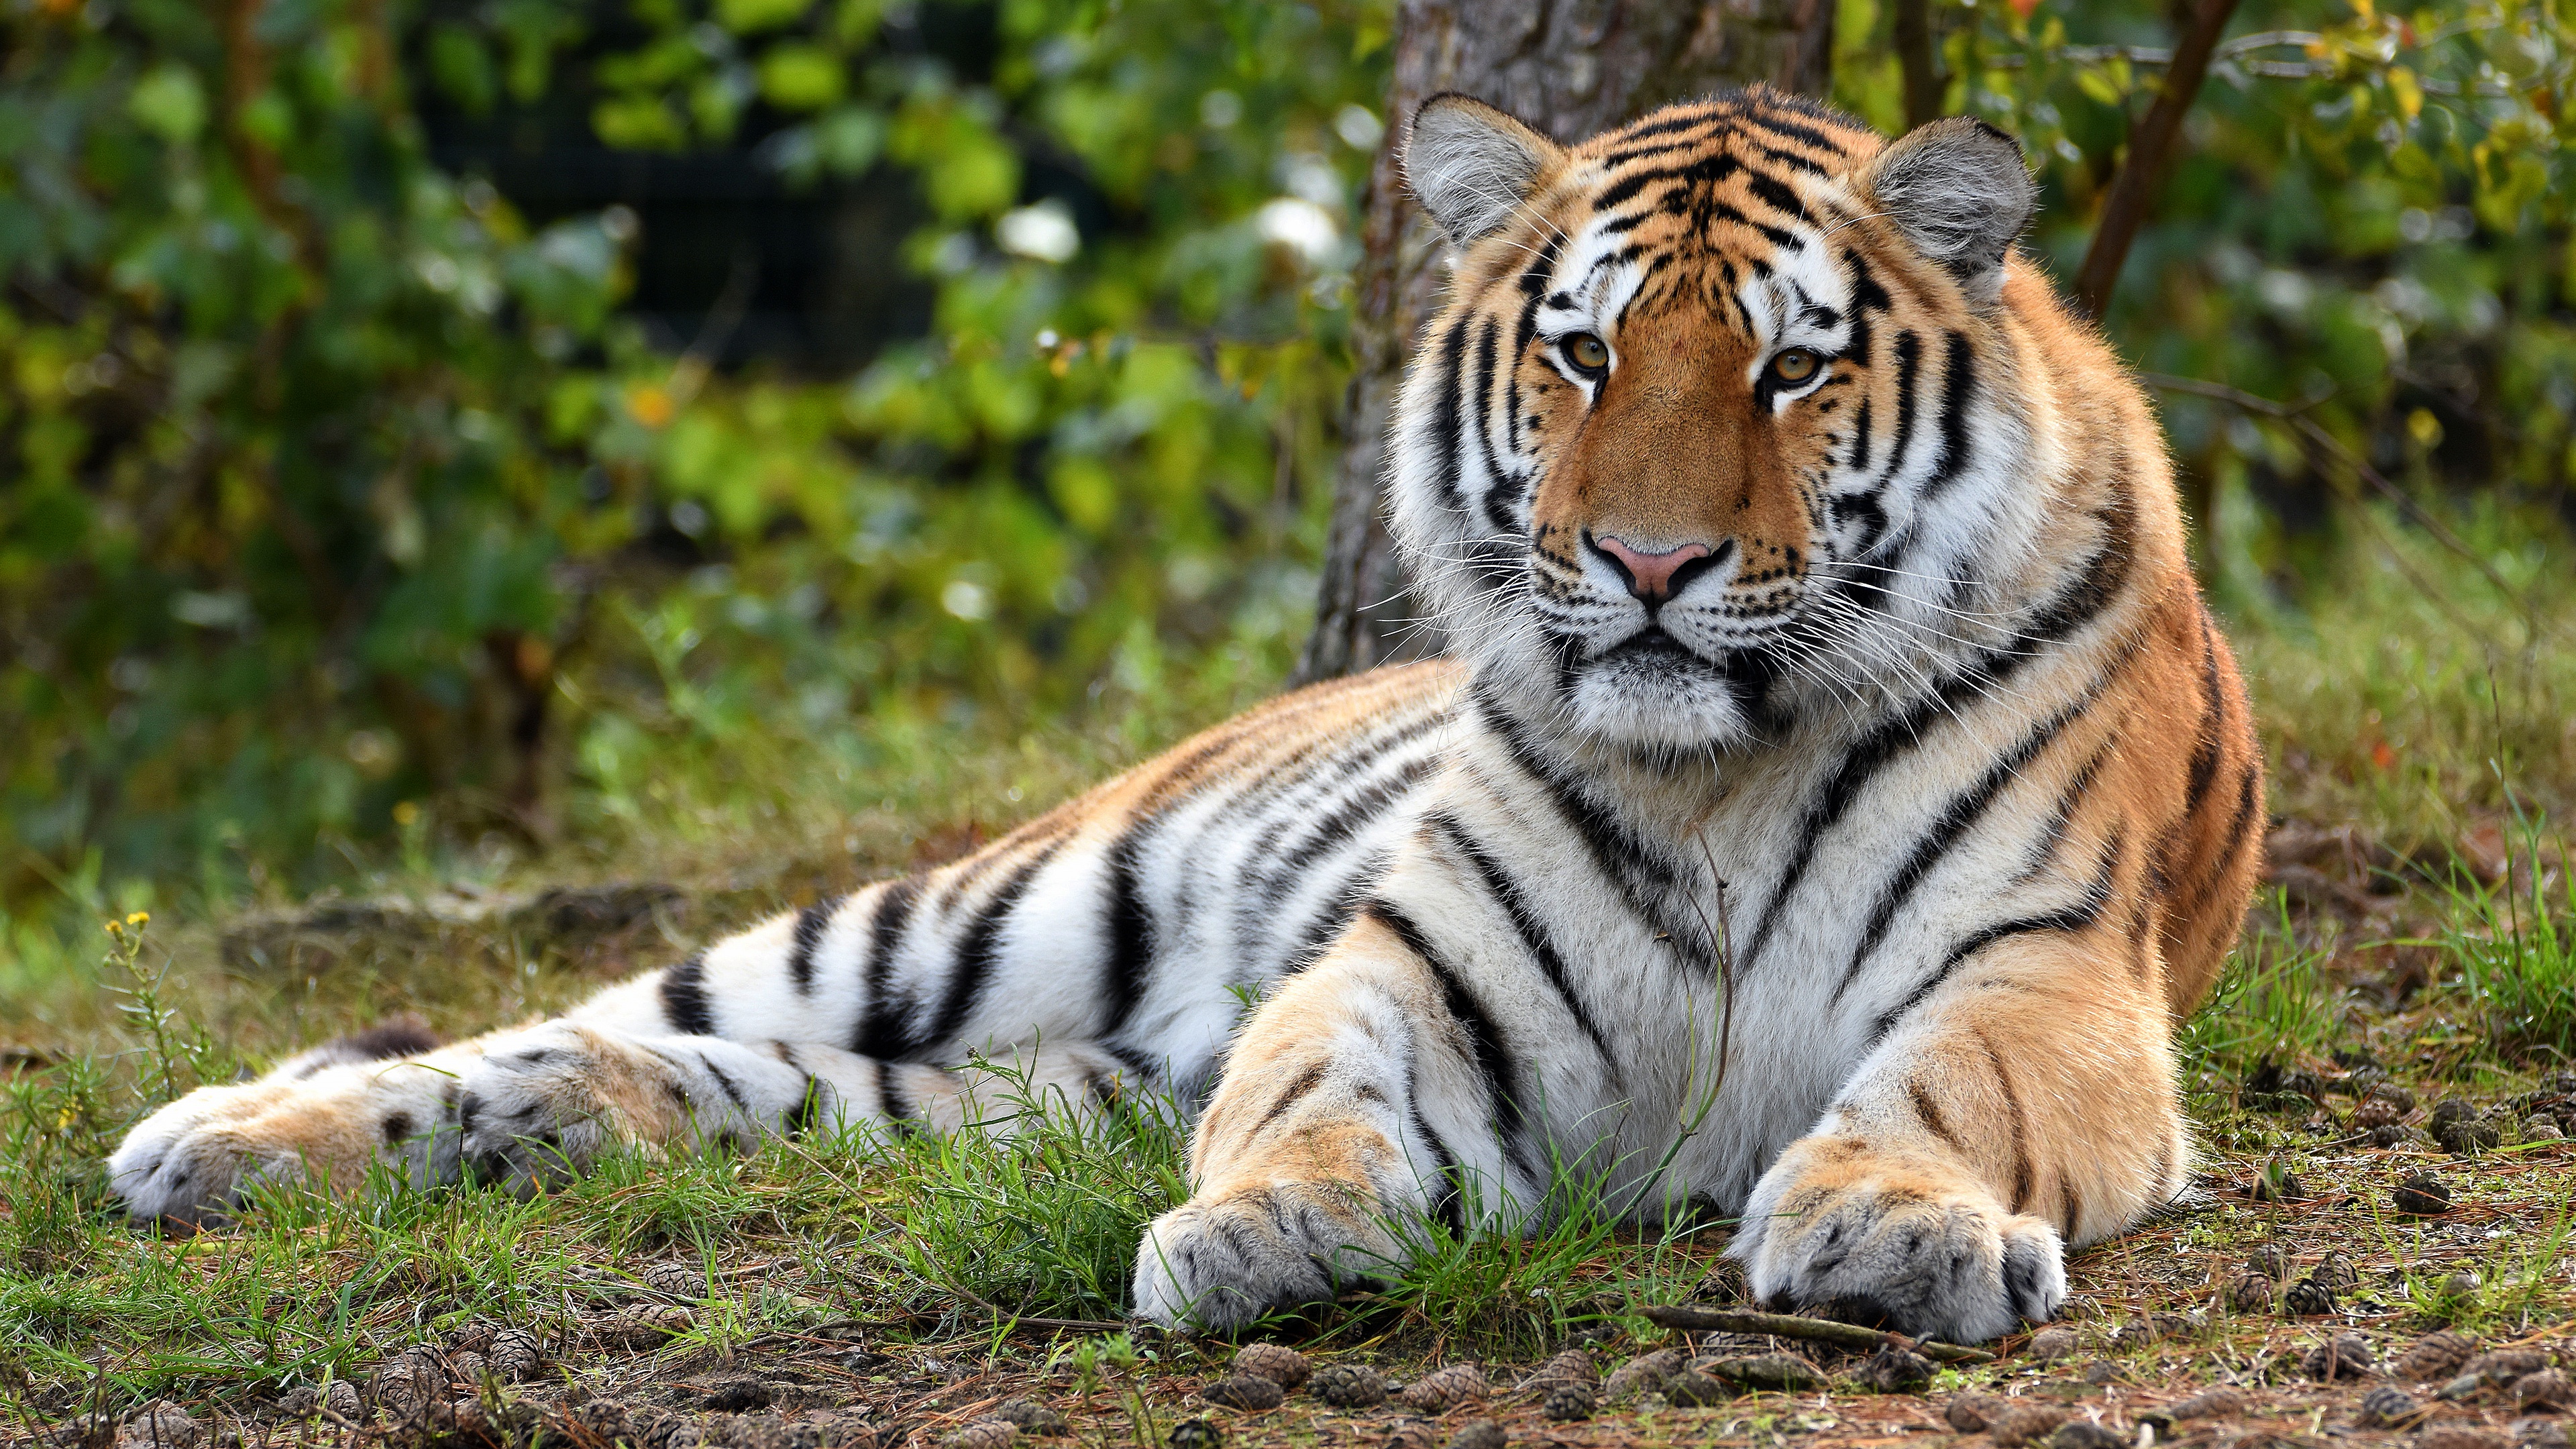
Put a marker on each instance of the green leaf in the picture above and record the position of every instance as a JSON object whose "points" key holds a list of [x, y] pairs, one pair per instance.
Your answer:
{"points": [[797, 77], [170, 103], [743, 17], [639, 123]]}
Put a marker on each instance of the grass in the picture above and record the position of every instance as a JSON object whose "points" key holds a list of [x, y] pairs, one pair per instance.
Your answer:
{"points": [[923, 1250]]}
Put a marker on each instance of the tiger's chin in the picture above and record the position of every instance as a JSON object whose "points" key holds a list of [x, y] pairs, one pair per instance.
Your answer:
{"points": [[1680, 712]]}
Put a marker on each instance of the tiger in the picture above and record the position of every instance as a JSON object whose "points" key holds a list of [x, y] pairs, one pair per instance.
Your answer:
{"points": [[1832, 794]]}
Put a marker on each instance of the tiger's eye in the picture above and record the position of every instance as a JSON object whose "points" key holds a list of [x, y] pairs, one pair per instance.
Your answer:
{"points": [[1586, 352], [1795, 365]]}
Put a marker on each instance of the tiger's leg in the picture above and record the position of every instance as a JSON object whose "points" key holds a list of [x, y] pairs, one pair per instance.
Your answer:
{"points": [[1350, 1098], [531, 1106], [2028, 1105]]}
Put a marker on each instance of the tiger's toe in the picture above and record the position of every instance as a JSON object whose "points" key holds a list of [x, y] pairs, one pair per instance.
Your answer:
{"points": [[1910, 1249], [1216, 1263]]}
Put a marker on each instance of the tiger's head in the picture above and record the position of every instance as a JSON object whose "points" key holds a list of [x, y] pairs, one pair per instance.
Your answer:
{"points": [[1719, 418]]}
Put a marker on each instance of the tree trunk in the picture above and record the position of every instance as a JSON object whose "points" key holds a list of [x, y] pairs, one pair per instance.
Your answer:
{"points": [[1570, 68]]}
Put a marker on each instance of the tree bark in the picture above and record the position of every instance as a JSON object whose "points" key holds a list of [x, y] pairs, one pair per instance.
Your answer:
{"points": [[2151, 146], [1570, 68], [1918, 57]]}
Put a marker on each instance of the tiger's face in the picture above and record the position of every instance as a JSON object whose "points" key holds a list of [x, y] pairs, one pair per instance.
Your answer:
{"points": [[1670, 454]]}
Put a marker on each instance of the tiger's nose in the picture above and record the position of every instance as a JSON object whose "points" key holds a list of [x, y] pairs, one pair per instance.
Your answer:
{"points": [[1654, 577]]}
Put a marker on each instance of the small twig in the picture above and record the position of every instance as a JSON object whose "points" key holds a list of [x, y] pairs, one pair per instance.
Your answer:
{"points": [[2151, 145], [1026, 1320], [2317, 437], [1813, 1330]]}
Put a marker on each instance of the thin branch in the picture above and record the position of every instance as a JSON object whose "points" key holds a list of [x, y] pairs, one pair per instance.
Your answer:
{"points": [[2318, 438], [2150, 148], [1812, 1330], [1917, 57]]}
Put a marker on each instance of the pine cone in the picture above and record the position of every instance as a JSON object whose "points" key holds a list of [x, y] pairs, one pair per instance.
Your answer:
{"points": [[2252, 1293], [1443, 1389], [2435, 1356], [2344, 1356], [2307, 1298], [2212, 1403], [1574, 1366], [1894, 1370], [2386, 1407], [1784, 1371], [1478, 1434], [514, 1354], [2547, 1389], [1412, 1434], [1282, 1365], [1033, 1417], [680, 1280], [983, 1434], [2024, 1424], [1971, 1413], [1645, 1373], [1568, 1403], [1348, 1386], [2504, 1365], [1243, 1391]]}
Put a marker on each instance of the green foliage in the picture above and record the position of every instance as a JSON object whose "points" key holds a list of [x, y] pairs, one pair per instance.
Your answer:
{"points": [[2514, 949], [344, 497]]}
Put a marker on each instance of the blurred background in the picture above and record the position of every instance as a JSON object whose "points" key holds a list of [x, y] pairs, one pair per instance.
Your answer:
{"points": [[449, 440]]}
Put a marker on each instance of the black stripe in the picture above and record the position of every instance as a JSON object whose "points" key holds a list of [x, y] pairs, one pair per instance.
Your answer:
{"points": [[1958, 381], [1355, 814], [1488, 340], [2093, 589], [1307, 1081], [1446, 425], [1335, 917], [1533, 932], [1620, 856], [811, 922], [1909, 368], [885, 1027], [2082, 914], [1780, 197], [732, 1089], [980, 950], [684, 997], [1448, 1207], [1486, 1052], [2053, 833], [1130, 926], [2013, 1118], [2239, 828], [800, 1118], [1954, 822], [2213, 714], [1930, 1112], [892, 1104]]}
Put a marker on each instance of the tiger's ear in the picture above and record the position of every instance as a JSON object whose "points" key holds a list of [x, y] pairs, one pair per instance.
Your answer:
{"points": [[1472, 165], [1956, 188]]}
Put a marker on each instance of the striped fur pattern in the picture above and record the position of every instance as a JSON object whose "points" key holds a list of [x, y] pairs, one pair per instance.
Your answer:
{"points": [[1839, 793]]}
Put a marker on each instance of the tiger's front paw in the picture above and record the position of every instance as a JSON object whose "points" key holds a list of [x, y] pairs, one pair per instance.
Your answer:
{"points": [[1221, 1260], [1910, 1241], [193, 1160]]}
